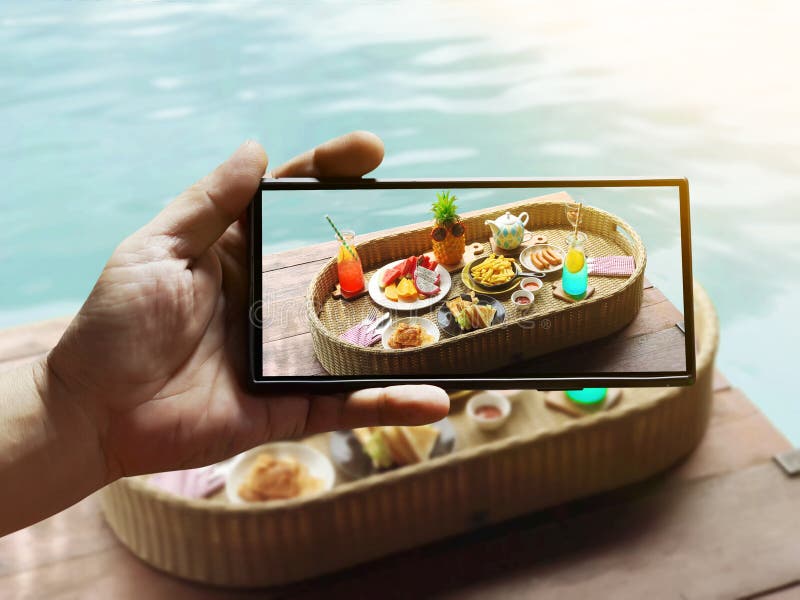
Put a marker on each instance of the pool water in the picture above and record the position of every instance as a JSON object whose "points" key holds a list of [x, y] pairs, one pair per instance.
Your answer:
{"points": [[109, 109]]}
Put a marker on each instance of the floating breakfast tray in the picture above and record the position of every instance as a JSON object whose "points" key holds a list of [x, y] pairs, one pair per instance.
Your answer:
{"points": [[551, 325], [540, 459]]}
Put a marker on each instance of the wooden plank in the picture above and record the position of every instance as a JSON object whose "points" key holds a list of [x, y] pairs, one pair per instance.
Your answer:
{"points": [[86, 535], [292, 356], [313, 253], [734, 420], [652, 351], [664, 541]]}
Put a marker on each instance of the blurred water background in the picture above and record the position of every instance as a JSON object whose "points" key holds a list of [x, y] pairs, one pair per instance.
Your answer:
{"points": [[109, 109]]}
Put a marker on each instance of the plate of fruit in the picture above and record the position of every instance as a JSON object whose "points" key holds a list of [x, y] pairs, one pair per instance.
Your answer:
{"points": [[409, 284]]}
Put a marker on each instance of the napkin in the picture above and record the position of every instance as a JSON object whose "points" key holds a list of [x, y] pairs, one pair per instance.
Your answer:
{"points": [[190, 483], [360, 336], [612, 266]]}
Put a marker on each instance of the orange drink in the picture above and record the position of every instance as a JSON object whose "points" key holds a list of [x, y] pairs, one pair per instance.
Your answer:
{"points": [[348, 266]]}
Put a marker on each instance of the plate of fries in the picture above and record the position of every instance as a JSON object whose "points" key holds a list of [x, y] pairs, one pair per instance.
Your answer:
{"points": [[495, 272]]}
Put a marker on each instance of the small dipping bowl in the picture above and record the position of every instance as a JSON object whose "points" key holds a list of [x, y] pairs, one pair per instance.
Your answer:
{"points": [[523, 301], [488, 410], [531, 281]]}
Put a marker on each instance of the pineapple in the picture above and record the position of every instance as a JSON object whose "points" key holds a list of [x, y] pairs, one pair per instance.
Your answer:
{"points": [[448, 234]]}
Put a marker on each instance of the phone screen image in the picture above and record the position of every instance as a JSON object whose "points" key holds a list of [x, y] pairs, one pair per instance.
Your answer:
{"points": [[549, 283]]}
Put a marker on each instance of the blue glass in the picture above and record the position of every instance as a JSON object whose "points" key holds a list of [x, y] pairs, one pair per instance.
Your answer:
{"points": [[575, 281], [588, 395]]}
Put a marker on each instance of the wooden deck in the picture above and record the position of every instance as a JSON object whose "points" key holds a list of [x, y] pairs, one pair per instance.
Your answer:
{"points": [[724, 524]]}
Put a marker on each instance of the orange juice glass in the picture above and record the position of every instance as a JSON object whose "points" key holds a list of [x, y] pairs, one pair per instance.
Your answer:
{"points": [[348, 266]]}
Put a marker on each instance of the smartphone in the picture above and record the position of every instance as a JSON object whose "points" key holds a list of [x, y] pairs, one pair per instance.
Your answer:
{"points": [[490, 283]]}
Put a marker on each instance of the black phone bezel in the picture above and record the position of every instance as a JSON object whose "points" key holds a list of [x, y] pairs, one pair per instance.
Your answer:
{"points": [[331, 384]]}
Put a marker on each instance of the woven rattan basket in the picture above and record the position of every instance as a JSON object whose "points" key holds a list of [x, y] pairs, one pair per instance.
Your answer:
{"points": [[288, 541], [552, 325]]}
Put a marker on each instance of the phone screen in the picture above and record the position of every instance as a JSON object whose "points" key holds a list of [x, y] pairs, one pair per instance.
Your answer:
{"points": [[505, 283]]}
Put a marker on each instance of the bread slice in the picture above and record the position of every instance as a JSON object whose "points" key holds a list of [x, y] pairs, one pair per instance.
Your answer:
{"points": [[401, 450], [421, 440], [487, 314], [362, 435]]}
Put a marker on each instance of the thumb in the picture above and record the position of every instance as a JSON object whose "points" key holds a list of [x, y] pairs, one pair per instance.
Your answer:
{"points": [[201, 214]]}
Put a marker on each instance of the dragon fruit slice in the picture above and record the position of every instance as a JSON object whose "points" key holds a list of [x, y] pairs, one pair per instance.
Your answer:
{"points": [[426, 281]]}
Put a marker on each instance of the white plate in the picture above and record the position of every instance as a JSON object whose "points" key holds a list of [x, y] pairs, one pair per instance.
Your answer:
{"points": [[429, 327], [319, 466], [376, 293], [525, 258]]}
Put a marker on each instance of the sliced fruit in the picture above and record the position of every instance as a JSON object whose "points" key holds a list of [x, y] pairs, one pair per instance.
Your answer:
{"points": [[390, 291], [574, 261], [391, 275], [425, 281], [406, 289], [408, 266]]}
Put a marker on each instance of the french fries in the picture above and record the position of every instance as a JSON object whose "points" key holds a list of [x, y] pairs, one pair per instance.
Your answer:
{"points": [[495, 270]]}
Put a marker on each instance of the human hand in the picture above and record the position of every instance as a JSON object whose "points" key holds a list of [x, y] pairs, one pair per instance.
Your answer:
{"points": [[156, 357]]}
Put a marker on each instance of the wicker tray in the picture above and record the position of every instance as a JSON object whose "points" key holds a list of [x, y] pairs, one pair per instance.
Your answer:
{"points": [[551, 325], [502, 477]]}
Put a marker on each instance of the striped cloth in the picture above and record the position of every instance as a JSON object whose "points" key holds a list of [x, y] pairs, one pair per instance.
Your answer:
{"points": [[359, 335], [611, 266]]}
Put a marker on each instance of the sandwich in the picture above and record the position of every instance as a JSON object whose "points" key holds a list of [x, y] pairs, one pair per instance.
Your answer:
{"points": [[469, 314], [397, 445]]}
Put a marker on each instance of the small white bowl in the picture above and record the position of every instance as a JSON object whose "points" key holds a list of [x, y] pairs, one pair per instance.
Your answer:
{"points": [[428, 326], [489, 399], [526, 280], [522, 308], [319, 466]]}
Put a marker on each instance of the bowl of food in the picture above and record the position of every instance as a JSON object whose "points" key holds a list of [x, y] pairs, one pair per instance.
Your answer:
{"points": [[531, 284], [523, 301], [278, 471], [495, 272], [488, 410], [410, 332]]}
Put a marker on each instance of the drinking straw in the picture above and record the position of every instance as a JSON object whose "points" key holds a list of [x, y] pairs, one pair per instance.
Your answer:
{"points": [[578, 219], [341, 237]]}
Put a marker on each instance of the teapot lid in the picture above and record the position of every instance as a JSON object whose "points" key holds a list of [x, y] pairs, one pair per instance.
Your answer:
{"points": [[507, 219]]}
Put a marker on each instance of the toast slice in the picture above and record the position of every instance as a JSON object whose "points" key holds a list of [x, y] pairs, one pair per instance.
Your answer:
{"points": [[421, 440], [401, 450]]}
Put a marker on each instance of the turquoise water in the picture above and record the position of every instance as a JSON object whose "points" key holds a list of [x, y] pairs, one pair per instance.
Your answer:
{"points": [[108, 109]]}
